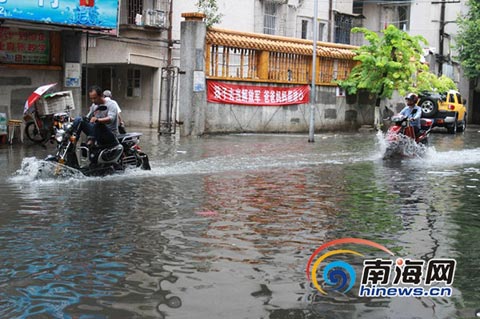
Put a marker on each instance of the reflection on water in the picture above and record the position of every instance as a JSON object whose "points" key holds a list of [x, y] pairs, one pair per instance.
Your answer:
{"points": [[223, 226]]}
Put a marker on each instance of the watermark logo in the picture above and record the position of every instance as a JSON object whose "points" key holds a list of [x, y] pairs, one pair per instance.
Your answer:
{"points": [[379, 277]]}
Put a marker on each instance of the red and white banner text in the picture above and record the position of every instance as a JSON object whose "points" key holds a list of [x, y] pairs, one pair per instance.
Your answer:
{"points": [[226, 93]]}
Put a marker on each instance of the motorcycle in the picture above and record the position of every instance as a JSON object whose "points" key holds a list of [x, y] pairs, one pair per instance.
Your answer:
{"points": [[41, 126], [402, 140], [98, 160]]}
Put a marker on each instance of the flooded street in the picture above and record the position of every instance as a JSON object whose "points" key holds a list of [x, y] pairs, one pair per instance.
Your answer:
{"points": [[223, 227]]}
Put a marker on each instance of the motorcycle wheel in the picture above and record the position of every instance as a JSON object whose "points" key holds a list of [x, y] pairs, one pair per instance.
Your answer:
{"points": [[389, 152], [34, 134]]}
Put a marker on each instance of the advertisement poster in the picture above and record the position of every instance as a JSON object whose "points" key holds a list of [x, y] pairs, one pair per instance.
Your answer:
{"points": [[102, 14], [72, 74]]}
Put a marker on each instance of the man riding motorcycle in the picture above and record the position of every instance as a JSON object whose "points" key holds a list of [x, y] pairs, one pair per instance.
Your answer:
{"points": [[101, 123], [413, 112]]}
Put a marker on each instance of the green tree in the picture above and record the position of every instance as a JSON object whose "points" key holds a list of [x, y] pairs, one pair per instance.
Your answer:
{"points": [[210, 9], [427, 81], [467, 41], [387, 63]]}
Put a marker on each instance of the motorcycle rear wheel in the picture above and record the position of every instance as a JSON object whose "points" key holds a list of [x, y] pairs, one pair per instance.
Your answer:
{"points": [[34, 134]]}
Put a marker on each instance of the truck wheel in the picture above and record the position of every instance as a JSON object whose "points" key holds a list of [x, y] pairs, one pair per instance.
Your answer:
{"points": [[452, 129], [462, 126], [429, 107]]}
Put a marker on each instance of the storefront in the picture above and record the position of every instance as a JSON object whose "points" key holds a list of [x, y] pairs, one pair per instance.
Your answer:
{"points": [[40, 43]]}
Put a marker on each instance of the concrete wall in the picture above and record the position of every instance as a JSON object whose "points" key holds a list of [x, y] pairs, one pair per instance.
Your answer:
{"points": [[332, 113], [17, 85]]}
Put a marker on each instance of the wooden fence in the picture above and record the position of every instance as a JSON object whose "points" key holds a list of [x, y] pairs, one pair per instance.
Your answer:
{"points": [[240, 56]]}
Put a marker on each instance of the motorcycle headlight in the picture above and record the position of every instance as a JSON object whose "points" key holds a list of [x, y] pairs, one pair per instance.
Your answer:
{"points": [[59, 135], [67, 126]]}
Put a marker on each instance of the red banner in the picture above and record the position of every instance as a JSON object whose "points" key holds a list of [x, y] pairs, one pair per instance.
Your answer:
{"points": [[226, 93]]}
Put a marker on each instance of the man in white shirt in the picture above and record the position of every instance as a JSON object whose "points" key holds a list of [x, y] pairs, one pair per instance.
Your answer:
{"points": [[107, 94]]}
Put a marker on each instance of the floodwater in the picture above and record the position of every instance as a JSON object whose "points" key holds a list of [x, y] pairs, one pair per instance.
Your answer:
{"points": [[224, 226]]}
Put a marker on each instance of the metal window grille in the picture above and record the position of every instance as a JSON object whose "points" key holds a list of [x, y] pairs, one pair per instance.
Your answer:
{"points": [[134, 7], [343, 25]]}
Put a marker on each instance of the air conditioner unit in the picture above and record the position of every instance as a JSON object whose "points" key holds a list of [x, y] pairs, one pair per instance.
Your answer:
{"points": [[154, 18]]}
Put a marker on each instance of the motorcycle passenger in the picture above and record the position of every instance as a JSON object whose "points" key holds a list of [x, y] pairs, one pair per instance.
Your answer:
{"points": [[100, 124], [412, 111], [107, 94]]}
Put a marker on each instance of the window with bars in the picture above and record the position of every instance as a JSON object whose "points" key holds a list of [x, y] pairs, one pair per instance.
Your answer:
{"points": [[343, 25], [134, 7]]}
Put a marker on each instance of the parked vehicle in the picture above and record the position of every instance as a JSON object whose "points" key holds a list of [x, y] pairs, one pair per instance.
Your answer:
{"points": [[401, 139], [44, 114], [43, 128], [98, 160], [445, 109]]}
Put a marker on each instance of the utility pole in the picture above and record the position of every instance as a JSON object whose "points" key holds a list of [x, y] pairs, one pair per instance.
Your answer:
{"points": [[442, 34], [313, 92]]}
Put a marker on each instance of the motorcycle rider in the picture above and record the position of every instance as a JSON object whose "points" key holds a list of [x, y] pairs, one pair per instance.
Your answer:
{"points": [[414, 116], [100, 124]]}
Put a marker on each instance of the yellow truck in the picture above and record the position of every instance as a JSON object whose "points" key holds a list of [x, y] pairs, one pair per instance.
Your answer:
{"points": [[445, 109]]}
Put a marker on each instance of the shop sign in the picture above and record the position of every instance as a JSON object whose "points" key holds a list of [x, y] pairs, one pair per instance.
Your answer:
{"points": [[102, 14], [19, 46]]}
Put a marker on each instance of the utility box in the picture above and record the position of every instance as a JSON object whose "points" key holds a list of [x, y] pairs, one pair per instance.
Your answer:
{"points": [[57, 102]]}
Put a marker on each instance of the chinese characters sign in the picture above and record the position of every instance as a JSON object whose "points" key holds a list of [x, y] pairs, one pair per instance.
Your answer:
{"points": [[25, 47], [380, 277], [410, 278], [101, 14], [226, 93]]}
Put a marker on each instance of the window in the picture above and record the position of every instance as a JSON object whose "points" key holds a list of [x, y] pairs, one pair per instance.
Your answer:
{"points": [[343, 25], [357, 7], [134, 7], [397, 16], [133, 83], [270, 18], [403, 18], [304, 29], [321, 30]]}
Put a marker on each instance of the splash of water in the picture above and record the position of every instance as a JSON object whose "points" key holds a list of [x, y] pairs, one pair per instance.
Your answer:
{"points": [[400, 146], [32, 169]]}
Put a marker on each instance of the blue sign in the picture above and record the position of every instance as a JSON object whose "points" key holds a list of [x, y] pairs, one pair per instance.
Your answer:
{"points": [[101, 14]]}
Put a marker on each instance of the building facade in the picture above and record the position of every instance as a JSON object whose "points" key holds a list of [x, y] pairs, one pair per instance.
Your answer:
{"points": [[139, 61]]}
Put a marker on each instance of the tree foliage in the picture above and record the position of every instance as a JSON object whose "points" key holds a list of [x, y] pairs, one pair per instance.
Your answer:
{"points": [[210, 9], [468, 42], [388, 63], [427, 81]]}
